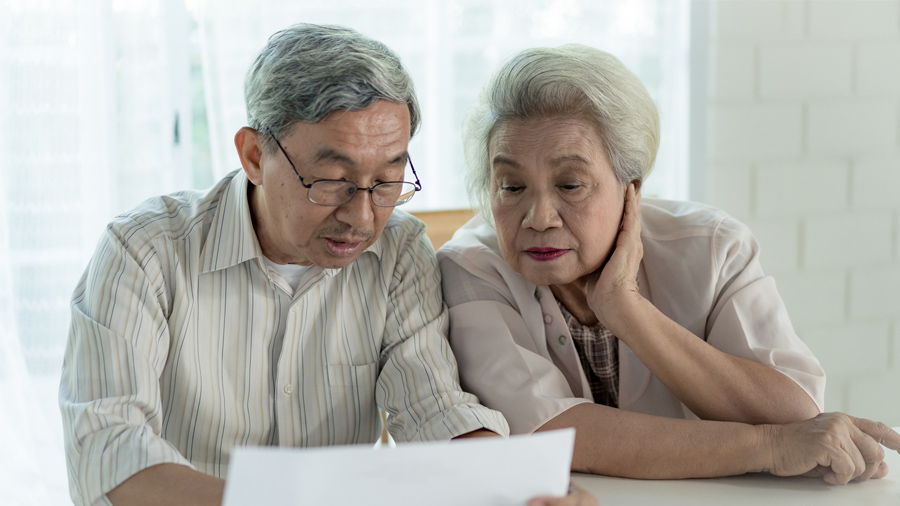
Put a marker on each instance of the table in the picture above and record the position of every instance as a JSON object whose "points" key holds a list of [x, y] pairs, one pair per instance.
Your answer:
{"points": [[750, 489]]}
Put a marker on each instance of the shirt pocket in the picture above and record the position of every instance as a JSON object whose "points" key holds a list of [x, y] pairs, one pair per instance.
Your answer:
{"points": [[355, 414]]}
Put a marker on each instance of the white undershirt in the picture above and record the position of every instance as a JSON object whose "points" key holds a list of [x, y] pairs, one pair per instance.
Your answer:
{"points": [[290, 273]]}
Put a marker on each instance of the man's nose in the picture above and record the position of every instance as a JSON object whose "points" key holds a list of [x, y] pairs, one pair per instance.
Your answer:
{"points": [[359, 211]]}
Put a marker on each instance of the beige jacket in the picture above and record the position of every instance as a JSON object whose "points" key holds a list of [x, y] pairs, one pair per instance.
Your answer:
{"points": [[700, 268]]}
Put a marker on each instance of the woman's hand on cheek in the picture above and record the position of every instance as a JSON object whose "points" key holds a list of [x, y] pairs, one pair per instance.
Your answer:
{"points": [[617, 280]]}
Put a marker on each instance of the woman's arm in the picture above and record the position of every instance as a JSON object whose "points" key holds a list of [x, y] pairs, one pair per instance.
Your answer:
{"points": [[614, 442], [712, 384]]}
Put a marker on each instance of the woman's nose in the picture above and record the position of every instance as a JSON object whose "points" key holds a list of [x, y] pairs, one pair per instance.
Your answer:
{"points": [[542, 213]]}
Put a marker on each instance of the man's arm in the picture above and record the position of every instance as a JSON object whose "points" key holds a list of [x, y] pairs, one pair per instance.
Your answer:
{"points": [[168, 484], [419, 383], [109, 391], [478, 433], [614, 442]]}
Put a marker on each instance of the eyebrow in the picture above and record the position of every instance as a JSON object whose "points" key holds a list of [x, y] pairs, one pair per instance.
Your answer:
{"points": [[569, 158], [332, 155], [500, 159]]}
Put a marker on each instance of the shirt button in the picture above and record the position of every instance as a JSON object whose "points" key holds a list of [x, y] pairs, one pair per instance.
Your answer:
{"points": [[289, 389], [537, 293], [548, 319], [562, 340]]}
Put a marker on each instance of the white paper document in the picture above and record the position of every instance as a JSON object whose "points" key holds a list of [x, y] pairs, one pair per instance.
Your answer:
{"points": [[472, 472]]}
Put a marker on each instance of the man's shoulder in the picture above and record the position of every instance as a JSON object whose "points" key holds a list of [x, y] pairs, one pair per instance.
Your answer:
{"points": [[172, 216], [403, 232], [404, 223]]}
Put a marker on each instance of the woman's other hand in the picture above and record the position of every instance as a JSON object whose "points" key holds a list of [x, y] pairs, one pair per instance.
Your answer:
{"points": [[577, 496], [837, 447]]}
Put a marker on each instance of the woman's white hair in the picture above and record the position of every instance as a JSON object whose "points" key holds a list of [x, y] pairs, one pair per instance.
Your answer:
{"points": [[569, 81], [307, 71]]}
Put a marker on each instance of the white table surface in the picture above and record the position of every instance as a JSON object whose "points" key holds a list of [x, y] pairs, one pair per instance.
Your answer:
{"points": [[751, 489]]}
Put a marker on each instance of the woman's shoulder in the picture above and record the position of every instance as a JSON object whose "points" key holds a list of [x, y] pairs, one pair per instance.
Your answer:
{"points": [[474, 241], [665, 220], [472, 267]]}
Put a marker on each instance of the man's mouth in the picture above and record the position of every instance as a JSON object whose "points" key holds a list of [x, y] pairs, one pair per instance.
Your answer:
{"points": [[545, 254], [342, 247]]}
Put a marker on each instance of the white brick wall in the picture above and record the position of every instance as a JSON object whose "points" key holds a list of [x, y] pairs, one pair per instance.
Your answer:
{"points": [[853, 20], [777, 194], [878, 68], [854, 126], [875, 293], [847, 240], [804, 146], [806, 70], [849, 348], [770, 131]]}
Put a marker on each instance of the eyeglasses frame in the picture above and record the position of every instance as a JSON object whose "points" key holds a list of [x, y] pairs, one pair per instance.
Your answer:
{"points": [[417, 184]]}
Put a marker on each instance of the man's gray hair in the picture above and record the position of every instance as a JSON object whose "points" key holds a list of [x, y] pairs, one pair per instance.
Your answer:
{"points": [[307, 71], [566, 81]]}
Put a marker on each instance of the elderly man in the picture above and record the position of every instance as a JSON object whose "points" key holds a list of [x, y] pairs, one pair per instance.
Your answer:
{"points": [[281, 307]]}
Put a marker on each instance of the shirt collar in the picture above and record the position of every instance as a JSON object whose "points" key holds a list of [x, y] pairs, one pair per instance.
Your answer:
{"points": [[232, 239]]}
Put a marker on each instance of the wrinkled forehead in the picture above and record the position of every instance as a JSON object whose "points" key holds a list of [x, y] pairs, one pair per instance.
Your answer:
{"points": [[545, 139]]}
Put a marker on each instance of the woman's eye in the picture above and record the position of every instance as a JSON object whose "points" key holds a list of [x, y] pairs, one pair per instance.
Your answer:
{"points": [[571, 186], [511, 189]]}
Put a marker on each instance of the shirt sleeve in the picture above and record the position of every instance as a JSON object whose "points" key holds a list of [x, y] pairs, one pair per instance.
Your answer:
{"points": [[419, 382], [749, 318], [109, 393], [500, 360]]}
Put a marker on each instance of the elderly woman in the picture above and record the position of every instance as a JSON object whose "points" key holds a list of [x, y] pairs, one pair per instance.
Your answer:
{"points": [[574, 303]]}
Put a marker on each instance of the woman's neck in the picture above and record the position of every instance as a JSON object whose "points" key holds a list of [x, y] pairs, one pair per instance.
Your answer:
{"points": [[574, 297]]}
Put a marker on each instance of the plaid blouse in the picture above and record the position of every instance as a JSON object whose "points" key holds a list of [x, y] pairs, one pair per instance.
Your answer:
{"points": [[598, 351]]}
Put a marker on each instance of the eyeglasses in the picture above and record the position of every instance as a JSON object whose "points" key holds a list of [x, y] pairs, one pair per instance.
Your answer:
{"points": [[333, 192]]}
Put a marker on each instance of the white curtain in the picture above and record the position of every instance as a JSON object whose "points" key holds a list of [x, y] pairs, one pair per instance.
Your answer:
{"points": [[450, 47], [104, 103]]}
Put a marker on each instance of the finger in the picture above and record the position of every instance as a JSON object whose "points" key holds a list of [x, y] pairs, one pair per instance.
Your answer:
{"points": [[816, 472], [880, 432], [584, 498], [632, 206], [881, 472], [577, 499], [842, 467], [861, 464], [630, 230], [870, 451]]}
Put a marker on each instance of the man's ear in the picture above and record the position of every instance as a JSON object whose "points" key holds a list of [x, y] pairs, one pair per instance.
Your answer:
{"points": [[249, 149]]}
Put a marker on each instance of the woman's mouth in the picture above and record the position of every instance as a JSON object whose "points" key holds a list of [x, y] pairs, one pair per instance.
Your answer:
{"points": [[545, 254]]}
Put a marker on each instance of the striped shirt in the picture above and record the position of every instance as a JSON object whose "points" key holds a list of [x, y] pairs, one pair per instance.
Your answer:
{"points": [[182, 346]]}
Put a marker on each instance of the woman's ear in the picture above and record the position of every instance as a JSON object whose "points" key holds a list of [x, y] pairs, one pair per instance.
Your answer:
{"points": [[246, 140], [637, 186]]}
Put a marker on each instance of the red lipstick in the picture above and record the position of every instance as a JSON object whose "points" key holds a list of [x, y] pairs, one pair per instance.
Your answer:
{"points": [[545, 254]]}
